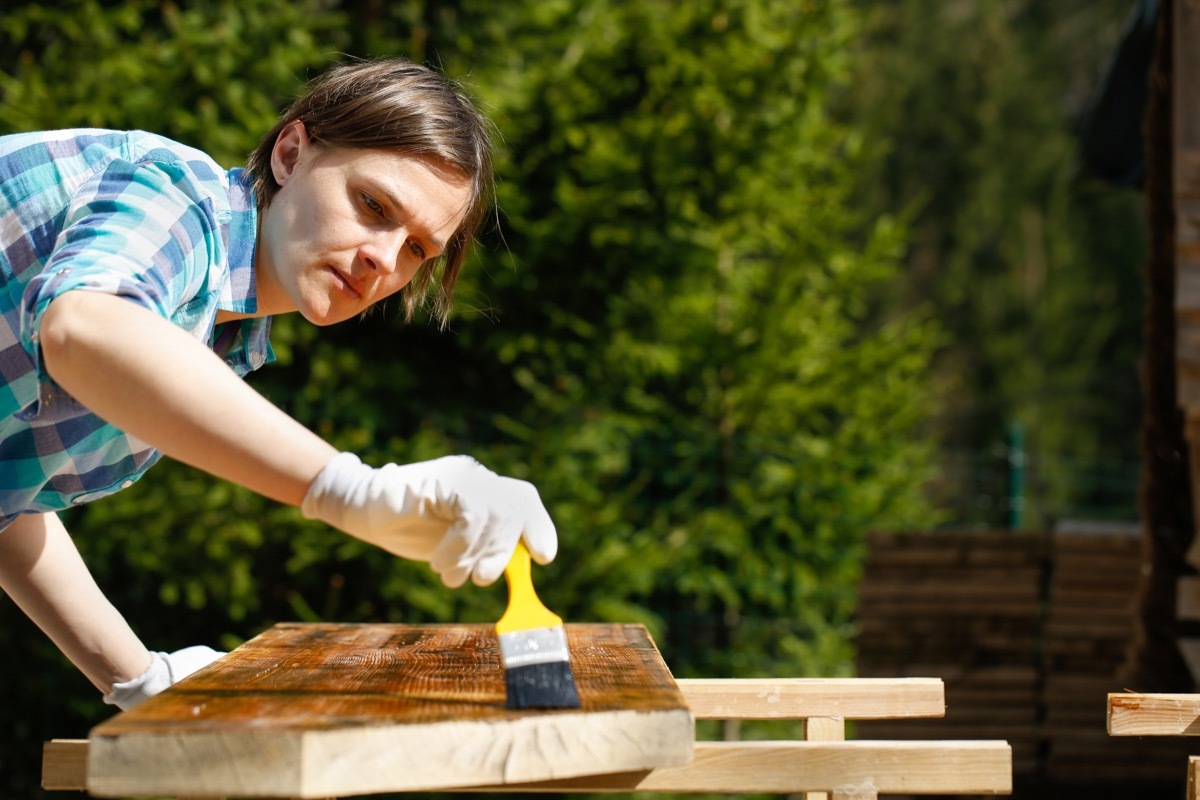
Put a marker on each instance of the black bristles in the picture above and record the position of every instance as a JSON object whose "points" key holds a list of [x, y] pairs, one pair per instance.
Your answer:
{"points": [[542, 686]]}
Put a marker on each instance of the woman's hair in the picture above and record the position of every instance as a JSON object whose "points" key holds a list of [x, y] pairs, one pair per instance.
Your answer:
{"points": [[394, 104]]}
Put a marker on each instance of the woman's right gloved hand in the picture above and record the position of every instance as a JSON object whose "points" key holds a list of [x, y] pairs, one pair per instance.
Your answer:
{"points": [[452, 512]]}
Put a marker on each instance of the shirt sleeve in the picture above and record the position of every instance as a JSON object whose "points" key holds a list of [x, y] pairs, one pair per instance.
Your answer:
{"points": [[135, 230]]}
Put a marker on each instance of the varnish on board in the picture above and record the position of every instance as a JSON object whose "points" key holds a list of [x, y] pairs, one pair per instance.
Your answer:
{"points": [[327, 710]]}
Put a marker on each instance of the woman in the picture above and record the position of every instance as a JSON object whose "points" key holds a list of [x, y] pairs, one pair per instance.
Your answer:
{"points": [[139, 283]]}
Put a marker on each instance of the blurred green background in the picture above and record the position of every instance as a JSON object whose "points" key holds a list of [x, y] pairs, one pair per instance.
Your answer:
{"points": [[764, 276]]}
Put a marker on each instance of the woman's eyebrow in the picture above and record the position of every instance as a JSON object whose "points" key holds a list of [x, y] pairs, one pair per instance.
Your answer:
{"points": [[396, 203]]}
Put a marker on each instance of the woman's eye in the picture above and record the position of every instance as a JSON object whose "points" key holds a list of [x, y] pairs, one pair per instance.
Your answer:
{"points": [[372, 204], [417, 250]]}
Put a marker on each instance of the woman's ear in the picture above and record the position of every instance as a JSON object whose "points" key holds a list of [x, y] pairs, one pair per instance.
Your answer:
{"points": [[290, 148]]}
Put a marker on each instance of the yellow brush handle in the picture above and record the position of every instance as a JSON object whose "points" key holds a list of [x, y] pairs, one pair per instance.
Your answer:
{"points": [[525, 610]]}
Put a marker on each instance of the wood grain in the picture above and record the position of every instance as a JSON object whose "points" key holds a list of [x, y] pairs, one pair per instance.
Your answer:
{"points": [[1132, 714], [318, 710]]}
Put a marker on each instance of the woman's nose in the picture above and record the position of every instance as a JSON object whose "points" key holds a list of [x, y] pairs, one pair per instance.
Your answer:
{"points": [[383, 251]]}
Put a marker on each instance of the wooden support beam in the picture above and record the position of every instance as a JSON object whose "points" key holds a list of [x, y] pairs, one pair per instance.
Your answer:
{"points": [[825, 729], [1131, 714], [843, 768], [64, 768], [64, 765], [849, 769], [1193, 765], [800, 698]]}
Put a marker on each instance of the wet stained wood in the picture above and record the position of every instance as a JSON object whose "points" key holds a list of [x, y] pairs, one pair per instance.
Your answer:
{"points": [[319, 710]]}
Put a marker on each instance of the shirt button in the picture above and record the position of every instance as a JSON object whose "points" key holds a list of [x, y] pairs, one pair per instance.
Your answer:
{"points": [[257, 358], [126, 484]]}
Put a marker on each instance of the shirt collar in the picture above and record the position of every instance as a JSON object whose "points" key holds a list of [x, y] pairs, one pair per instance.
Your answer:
{"points": [[240, 294]]}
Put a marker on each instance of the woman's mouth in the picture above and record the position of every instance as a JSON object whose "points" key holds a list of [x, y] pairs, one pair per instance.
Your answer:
{"points": [[344, 284]]}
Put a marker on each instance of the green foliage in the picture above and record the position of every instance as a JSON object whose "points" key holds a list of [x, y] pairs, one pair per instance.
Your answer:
{"points": [[687, 360], [211, 73], [1034, 271]]}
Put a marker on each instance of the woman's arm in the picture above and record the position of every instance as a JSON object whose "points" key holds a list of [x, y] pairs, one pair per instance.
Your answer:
{"points": [[156, 382], [41, 571]]}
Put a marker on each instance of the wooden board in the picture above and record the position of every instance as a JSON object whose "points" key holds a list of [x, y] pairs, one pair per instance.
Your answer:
{"points": [[320, 710], [1187, 597], [843, 768], [805, 698], [963, 767], [1132, 714]]}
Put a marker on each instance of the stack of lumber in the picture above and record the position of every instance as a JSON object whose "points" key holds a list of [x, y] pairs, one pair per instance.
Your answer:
{"points": [[1092, 594], [1029, 633], [965, 608]]}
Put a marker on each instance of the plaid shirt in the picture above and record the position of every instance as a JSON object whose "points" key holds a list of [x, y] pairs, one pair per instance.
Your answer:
{"points": [[125, 213]]}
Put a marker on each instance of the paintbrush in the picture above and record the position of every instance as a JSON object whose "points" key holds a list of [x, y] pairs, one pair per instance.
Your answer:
{"points": [[533, 644]]}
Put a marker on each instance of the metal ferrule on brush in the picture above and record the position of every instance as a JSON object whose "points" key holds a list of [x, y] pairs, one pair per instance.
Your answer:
{"points": [[534, 646]]}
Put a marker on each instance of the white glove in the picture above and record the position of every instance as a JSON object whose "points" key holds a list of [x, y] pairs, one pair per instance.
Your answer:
{"points": [[452, 512], [164, 670]]}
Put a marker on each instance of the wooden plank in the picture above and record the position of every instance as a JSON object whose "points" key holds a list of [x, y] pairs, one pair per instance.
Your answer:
{"points": [[800, 698], [1187, 328], [949, 589], [1102, 552], [1062, 632], [1089, 536], [962, 767], [1186, 84], [1131, 714], [1187, 598], [1187, 171], [955, 610], [314, 710], [1192, 782], [893, 560], [1189, 648], [1192, 556], [1188, 390], [844, 768], [825, 729], [64, 765], [1067, 572]]}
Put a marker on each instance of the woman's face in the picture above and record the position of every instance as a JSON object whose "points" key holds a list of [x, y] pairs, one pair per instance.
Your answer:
{"points": [[348, 228]]}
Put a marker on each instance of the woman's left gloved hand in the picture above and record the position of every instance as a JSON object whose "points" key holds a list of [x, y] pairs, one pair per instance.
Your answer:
{"points": [[164, 670]]}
